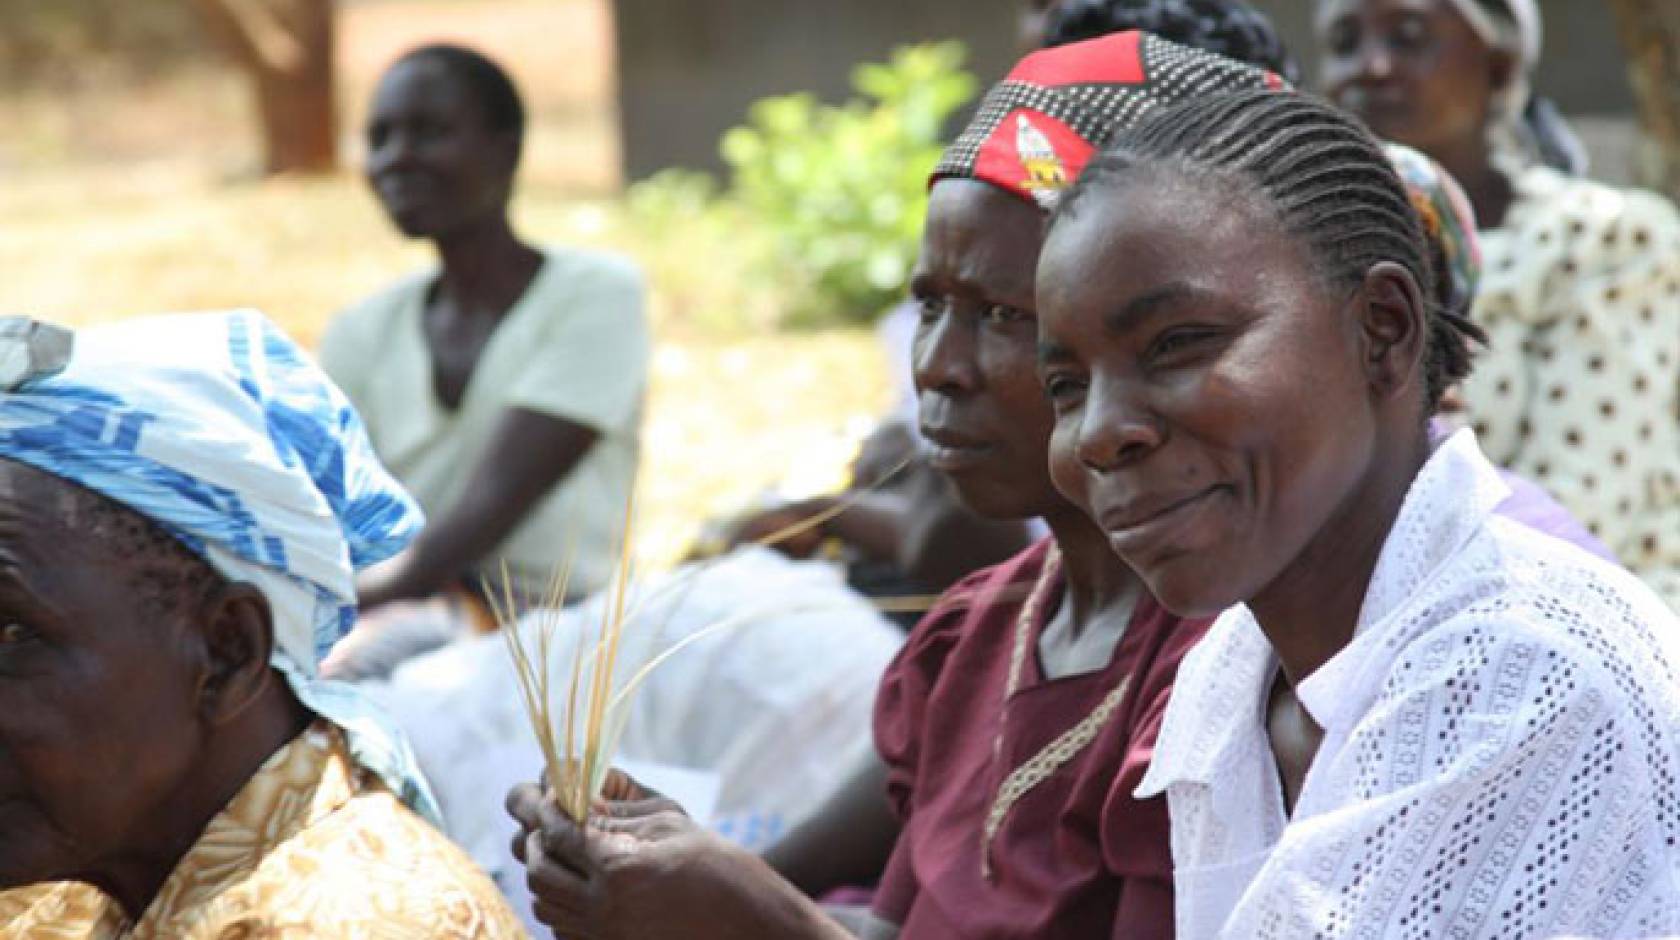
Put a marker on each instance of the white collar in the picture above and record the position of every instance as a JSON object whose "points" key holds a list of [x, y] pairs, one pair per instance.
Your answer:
{"points": [[1449, 501]]}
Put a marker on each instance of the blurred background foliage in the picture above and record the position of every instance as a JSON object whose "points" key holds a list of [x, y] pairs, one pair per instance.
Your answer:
{"points": [[824, 200], [70, 43], [131, 181]]}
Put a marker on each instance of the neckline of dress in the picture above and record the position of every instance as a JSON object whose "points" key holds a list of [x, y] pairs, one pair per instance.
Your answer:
{"points": [[1053, 756]]}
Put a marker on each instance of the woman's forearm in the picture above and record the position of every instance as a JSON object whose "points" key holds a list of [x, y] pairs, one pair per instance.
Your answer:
{"points": [[846, 842]]}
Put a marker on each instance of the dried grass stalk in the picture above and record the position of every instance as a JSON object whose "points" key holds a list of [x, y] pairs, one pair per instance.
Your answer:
{"points": [[575, 769]]}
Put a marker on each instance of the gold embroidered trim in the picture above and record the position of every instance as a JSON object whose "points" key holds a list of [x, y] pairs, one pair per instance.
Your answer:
{"points": [[1036, 770], [1054, 755]]}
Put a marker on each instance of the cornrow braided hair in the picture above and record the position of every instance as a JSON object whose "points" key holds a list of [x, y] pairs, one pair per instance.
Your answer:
{"points": [[1327, 178]]}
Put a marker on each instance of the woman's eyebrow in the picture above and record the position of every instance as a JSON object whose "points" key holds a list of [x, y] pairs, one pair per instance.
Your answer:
{"points": [[1142, 306]]}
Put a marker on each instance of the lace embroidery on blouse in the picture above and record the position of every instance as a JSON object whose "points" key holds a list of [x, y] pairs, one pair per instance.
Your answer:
{"points": [[1502, 742]]}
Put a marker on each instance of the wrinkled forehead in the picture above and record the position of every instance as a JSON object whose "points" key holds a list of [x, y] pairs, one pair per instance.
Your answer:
{"points": [[32, 495], [981, 235], [44, 517]]}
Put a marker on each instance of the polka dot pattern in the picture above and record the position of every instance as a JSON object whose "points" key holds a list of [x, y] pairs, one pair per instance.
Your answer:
{"points": [[1580, 389]]}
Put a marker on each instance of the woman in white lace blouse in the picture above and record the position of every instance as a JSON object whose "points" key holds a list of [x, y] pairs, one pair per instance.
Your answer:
{"points": [[1580, 294], [1414, 719]]}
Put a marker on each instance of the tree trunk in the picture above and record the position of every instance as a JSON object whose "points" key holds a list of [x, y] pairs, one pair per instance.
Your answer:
{"points": [[286, 46], [1650, 31]]}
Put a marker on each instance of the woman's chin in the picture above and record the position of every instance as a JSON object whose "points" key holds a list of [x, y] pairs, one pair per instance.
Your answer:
{"points": [[1193, 587], [996, 499]]}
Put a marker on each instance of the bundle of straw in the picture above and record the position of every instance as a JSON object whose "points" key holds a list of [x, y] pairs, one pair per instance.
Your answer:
{"points": [[577, 756], [573, 769]]}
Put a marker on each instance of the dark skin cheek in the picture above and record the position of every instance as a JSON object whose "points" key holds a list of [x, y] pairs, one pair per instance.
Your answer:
{"points": [[1216, 404], [1020, 414], [1066, 472], [83, 716]]}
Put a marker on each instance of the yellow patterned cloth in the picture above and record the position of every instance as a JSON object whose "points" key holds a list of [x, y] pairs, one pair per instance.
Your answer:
{"points": [[310, 847]]}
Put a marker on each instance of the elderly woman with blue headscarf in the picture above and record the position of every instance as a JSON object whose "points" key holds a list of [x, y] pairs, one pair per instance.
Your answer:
{"points": [[183, 503]]}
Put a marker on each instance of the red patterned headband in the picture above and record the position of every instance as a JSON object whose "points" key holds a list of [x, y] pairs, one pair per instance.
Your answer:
{"points": [[1037, 129]]}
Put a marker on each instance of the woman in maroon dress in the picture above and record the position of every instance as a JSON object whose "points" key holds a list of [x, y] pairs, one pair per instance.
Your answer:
{"points": [[1022, 711]]}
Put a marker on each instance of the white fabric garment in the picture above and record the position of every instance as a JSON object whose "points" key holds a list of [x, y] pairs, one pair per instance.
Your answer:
{"points": [[575, 346], [1579, 389], [1501, 747], [779, 707]]}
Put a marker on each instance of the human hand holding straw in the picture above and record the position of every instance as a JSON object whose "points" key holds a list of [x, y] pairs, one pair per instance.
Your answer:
{"points": [[639, 867]]}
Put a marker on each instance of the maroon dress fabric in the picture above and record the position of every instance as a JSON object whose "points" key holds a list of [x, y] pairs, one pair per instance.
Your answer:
{"points": [[1077, 856]]}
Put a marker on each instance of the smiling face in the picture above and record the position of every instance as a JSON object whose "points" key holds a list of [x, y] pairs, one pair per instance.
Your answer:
{"points": [[1414, 70], [979, 400], [432, 157], [1212, 413], [98, 715]]}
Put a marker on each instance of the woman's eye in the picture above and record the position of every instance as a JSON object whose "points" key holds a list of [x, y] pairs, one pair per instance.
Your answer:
{"points": [[1002, 313], [1178, 342], [1060, 388], [928, 308], [13, 633], [1410, 33]]}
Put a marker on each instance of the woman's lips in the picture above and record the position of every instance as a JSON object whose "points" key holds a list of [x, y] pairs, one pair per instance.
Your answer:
{"points": [[1144, 522], [952, 451]]}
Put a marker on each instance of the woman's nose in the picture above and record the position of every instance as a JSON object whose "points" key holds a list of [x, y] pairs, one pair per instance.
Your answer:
{"points": [[1117, 428], [1375, 60], [945, 357], [388, 150]]}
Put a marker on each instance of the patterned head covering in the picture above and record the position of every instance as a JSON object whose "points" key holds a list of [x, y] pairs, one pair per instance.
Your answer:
{"points": [[1507, 24], [1525, 126], [1037, 129], [219, 429], [1448, 221]]}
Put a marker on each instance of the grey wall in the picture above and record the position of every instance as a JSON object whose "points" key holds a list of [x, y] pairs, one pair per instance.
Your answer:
{"points": [[688, 69]]}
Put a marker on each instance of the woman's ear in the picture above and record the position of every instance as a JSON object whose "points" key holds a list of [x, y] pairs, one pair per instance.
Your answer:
{"points": [[1502, 69], [238, 636], [507, 155], [1393, 328]]}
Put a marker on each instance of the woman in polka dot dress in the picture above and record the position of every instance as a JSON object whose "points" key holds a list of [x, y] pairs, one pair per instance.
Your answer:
{"points": [[1580, 295]]}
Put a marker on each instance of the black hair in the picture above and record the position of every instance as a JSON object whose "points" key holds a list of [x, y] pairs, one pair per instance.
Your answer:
{"points": [[1326, 177], [487, 82], [1224, 27]]}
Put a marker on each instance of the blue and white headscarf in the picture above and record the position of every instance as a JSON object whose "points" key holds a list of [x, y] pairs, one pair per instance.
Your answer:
{"points": [[221, 430]]}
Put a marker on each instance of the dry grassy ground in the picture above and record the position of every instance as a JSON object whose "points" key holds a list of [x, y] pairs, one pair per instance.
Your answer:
{"points": [[132, 200]]}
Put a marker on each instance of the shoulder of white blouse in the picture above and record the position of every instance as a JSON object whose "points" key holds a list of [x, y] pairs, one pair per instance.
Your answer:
{"points": [[598, 269], [1565, 234], [1576, 208], [372, 315]]}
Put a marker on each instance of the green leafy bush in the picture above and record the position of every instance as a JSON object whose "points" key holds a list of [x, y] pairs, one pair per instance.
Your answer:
{"points": [[836, 193], [704, 255]]}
